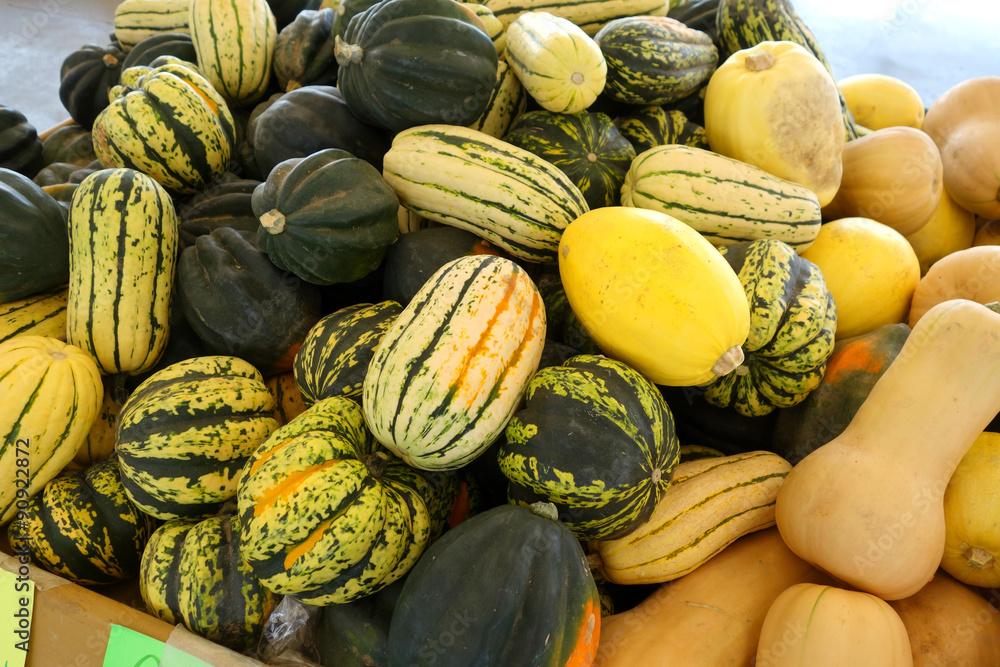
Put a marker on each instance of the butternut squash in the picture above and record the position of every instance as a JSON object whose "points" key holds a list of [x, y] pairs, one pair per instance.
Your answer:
{"points": [[868, 506], [711, 617], [964, 122], [949, 625], [972, 515], [809, 625], [893, 175], [973, 274]]}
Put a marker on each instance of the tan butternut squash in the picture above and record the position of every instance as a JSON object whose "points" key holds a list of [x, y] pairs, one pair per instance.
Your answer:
{"points": [[893, 175], [710, 617], [867, 507], [949, 625], [973, 274], [810, 625], [964, 122], [972, 515]]}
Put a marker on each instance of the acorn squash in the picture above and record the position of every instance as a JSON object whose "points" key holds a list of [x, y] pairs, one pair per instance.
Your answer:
{"points": [[20, 147], [303, 54], [86, 78]]}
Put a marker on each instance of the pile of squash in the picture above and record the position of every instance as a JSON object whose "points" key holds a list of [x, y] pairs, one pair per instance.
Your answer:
{"points": [[514, 333]]}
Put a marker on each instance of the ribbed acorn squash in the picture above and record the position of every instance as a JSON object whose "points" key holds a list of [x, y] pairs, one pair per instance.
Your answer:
{"points": [[86, 79], [20, 148], [416, 62], [303, 54]]}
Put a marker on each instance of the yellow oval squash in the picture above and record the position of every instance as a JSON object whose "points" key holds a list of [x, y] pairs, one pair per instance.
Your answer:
{"points": [[775, 106], [949, 230], [654, 294], [879, 100]]}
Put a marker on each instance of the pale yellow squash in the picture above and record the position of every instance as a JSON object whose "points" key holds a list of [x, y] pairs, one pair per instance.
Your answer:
{"points": [[878, 100], [871, 271], [868, 506], [810, 625], [972, 515], [949, 230], [775, 106], [654, 294]]}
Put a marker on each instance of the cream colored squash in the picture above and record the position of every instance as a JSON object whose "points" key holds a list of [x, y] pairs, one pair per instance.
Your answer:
{"points": [[868, 506], [776, 107], [973, 273]]}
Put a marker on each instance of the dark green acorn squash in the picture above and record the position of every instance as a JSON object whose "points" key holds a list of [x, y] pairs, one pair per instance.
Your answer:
{"points": [[34, 242], [334, 357], [20, 148], [507, 587], [192, 574], [240, 304], [651, 126], [54, 173], [310, 119], [285, 11], [71, 144], [414, 257], [225, 204], [61, 192], [83, 527], [86, 78], [596, 439], [328, 218], [852, 370], [654, 59], [356, 634], [415, 62], [303, 54], [176, 44], [699, 15], [587, 147], [347, 10], [793, 319]]}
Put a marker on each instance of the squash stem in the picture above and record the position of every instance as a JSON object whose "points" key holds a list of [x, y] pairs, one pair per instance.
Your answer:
{"points": [[994, 306], [346, 54], [759, 60], [729, 361], [273, 221], [979, 558], [376, 463], [545, 510]]}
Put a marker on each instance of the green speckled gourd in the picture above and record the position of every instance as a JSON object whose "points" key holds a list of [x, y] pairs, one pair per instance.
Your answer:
{"points": [[587, 147], [792, 322], [653, 125], [334, 358], [655, 59], [742, 24], [328, 514], [596, 439], [84, 527], [191, 573]]}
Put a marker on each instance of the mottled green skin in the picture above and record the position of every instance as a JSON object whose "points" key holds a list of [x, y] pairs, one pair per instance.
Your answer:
{"points": [[651, 126], [334, 358], [587, 147], [742, 24], [655, 59], [596, 439], [192, 574], [793, 319], [84, 527]]}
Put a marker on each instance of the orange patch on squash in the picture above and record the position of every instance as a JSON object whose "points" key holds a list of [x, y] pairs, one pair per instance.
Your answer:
{"points": [[585, 648], [288, 486], [307, 545], [861, 355]]}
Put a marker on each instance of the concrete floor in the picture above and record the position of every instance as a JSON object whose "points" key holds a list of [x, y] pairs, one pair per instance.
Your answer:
{"points": [[931, 44]]}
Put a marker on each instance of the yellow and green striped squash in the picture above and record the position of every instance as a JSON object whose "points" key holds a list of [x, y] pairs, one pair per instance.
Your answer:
{"points": [[711, 503], [83, 527], [589, 15], [470, 180], [42, 314], [494, 27], [655, 59], [507, 102], [725, 200], [335, 355], [100, 442], [596, 439], [167, 122], [123, 251], [192, 573], [328, 514], [235, 42], [185, 433], [287, 398], [558, 64], [793, 319], [452, 368], [136, 20], [50, 393], [651, 126]]}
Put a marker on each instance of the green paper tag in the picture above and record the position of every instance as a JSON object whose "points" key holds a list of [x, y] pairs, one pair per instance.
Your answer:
{"points": [[128, 648], [17, 596]]}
